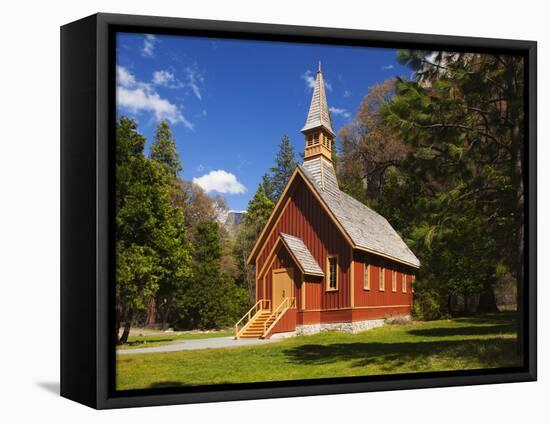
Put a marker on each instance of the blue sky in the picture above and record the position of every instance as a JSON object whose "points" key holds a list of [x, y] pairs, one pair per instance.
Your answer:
{"points": [[229, 102]]}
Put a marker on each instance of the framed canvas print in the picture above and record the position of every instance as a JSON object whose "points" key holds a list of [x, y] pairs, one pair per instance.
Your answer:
{"points": [[258, 211]]}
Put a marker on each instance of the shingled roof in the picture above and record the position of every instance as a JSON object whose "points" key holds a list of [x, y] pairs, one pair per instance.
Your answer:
{"points": [[319, 114], [366, 228], [302, 255]]}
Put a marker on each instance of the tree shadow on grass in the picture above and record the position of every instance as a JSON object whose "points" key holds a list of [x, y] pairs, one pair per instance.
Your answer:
{"points": [[499, 329], [389, 357], [504, 317]]}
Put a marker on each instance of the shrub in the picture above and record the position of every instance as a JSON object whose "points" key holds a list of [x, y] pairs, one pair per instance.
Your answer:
{"points": [[426, 305]]}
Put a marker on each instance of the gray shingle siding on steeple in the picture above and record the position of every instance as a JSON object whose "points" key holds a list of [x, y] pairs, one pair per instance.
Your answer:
{"points": [[319, 114]]}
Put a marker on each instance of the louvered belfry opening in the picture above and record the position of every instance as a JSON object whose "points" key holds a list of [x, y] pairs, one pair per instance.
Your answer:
{"points": [[318, 132]]}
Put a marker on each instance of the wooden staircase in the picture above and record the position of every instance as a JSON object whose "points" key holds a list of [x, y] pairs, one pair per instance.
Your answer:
{"points": [[260, 319], [255, 328]]}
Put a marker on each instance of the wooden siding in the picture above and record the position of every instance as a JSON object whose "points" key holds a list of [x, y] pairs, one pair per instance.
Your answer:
{"points": [[287, 323], [304, 217], [314, 317], [314, 292], [375, 297]]}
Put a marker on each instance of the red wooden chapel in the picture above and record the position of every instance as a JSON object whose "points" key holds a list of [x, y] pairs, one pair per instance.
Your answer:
{"points": [[325, 261]]}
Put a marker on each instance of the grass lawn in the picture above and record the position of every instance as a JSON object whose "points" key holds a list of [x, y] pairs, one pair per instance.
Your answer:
{"points": [[487, 341], [163, 338]]}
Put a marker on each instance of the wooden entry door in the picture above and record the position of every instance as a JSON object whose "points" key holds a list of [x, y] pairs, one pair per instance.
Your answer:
{"points": [[283, 286]]}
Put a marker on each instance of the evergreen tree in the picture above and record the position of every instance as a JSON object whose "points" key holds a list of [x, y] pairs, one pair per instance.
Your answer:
{"points": [[152, 252], [275, 180], [164, 149], [259, 209], [137, 263], [211, 299], [463, 118]]}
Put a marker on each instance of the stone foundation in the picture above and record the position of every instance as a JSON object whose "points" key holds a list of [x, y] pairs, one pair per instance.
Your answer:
{"points": [[350, 327]]}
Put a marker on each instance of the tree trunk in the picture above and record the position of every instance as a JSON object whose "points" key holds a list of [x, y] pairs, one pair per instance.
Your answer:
{"points": [[117, 324], [151, 311], [450, 304], [127, 325], [487, 300]]}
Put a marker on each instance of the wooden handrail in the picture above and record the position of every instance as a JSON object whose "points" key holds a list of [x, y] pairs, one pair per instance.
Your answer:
{"points": [[278, 314], [248, 315]]}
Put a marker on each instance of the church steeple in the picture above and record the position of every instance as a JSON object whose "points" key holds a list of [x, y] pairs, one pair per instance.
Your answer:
{"points": [[318, 132]]}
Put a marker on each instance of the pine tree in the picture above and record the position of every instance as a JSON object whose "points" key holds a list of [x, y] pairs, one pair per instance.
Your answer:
{"points": [[462, 187], [164, 149], [210, 299], [259, 209], [152, 251], [275, 180], [137, 262]]}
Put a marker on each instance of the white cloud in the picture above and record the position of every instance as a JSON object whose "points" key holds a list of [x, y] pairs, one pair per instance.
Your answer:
{"points": [[149, 42], [193, 80], [388, 67], [339, 112], [309, 79], [163, 77], [138, 97], [220, 181], [124, 78], [347, 93]]}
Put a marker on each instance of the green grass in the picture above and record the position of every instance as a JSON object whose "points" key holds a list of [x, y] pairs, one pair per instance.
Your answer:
{"points": [[168, 338], [465, 343]]}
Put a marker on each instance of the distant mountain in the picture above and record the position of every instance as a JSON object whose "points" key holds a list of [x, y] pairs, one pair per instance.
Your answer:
{"points": [[231, 220]]}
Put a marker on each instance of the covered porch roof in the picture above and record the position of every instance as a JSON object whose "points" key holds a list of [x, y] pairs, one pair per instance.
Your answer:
{"points": [[301, 255]]}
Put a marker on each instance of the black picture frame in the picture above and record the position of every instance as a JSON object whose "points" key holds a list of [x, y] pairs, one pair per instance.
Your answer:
{"points": [[87, 173]]}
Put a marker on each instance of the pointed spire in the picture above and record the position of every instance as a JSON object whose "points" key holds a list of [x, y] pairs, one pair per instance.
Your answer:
{"points": [[319, 115]]}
